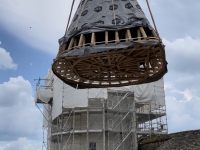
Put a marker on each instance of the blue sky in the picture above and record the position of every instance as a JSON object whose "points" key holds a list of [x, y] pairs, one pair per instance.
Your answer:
{"points": [[31, 63], [27, 53]]}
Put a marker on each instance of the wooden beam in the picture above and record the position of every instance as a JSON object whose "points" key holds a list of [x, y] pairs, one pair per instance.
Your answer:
{"points": [[143, 32], [93, 39], [116, 37], [129, 35], [70, 44], [80, 41], [106, 37]]}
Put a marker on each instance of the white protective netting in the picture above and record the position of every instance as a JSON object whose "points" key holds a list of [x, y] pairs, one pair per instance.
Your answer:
{"points": [[43, 96], [65, 96]]}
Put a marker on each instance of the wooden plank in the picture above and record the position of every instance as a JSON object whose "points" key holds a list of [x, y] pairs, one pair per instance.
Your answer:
{"points": [[117, 79], [128, 73], [101, 60], [116, 37], [118, 57], [106, 37], [80, 41], [70, 44], [97, 67], [93, 39], [129, 35], [143, 32]]}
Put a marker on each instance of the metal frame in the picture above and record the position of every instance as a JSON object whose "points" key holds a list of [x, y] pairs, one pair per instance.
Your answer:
{"points": [[114, 123]]}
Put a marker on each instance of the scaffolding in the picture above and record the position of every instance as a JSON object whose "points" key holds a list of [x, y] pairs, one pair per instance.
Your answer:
{"points": [[115, 123]]}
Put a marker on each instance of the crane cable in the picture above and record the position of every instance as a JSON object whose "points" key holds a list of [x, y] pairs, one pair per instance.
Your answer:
{"points": [[152, 18], [69, 16]]}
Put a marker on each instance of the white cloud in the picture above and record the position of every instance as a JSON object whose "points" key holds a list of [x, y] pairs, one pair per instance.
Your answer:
{"points": [[20, 144], [182, 84], [44, 22], [175, 19], [21, 119], [182, 110], [183, 54], [183, 63], [182, 116], [48, 20], [6, 61]]}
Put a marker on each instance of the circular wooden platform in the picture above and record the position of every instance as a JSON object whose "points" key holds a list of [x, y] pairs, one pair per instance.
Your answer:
{"points": [[135, 65], [143, 62]]}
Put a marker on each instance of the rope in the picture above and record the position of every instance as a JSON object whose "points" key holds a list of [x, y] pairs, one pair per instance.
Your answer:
{"points": [[114, 15], [152, 18], [69, 17]]}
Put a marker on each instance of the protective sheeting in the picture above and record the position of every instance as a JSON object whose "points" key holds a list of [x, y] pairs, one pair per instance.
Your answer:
{"points": [[101, 15], [57, 97], [73, 97], [47, 115], [66, 96], [150, 92], [43, 96], [98, 93], [79, 97], [159, 92]]}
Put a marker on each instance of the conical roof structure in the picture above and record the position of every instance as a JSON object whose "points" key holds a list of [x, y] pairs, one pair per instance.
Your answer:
{"points": [[109, 43]]}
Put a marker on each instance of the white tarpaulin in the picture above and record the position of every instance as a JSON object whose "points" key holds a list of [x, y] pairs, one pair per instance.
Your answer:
{"points": [[57, 97], [98, 93], [47, 115], [79, 97], [65, 96], [74, 97], [43, 96], [150, 92]]}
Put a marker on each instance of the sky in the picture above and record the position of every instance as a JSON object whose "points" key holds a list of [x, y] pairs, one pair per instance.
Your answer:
{"points": [[29, 33]]}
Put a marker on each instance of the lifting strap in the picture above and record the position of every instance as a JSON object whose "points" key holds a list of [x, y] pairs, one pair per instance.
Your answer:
{"points": [[152, 18], [69, 17]]}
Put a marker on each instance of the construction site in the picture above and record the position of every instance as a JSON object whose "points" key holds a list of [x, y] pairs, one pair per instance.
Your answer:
{"points": [[100, 119], [105, 89]]}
